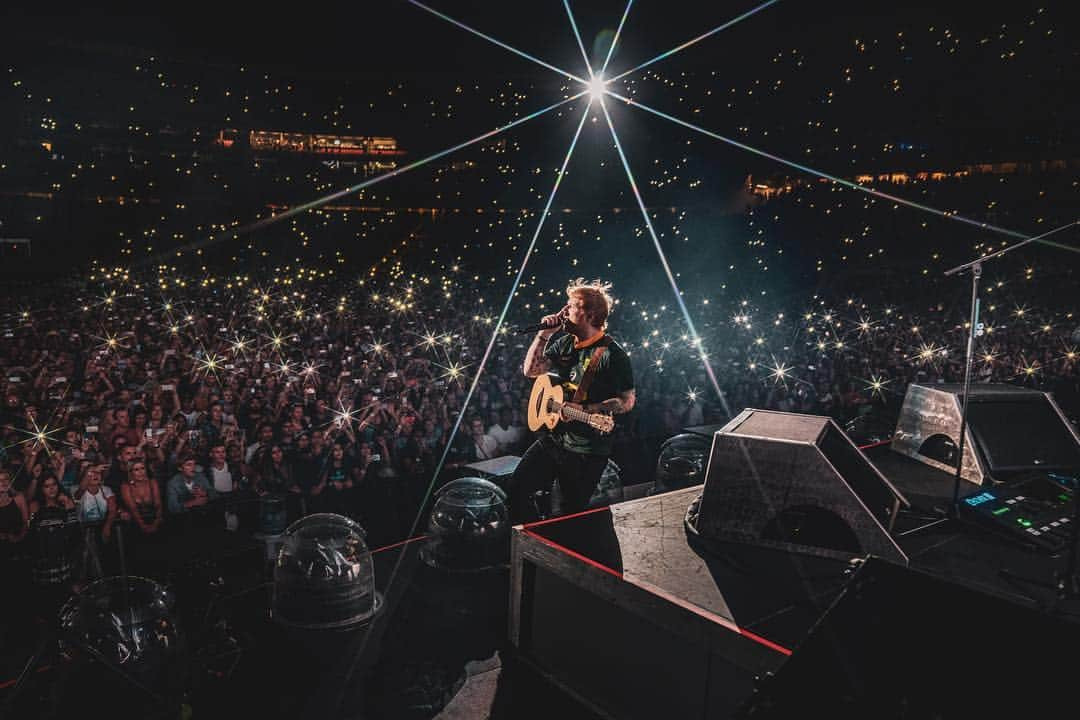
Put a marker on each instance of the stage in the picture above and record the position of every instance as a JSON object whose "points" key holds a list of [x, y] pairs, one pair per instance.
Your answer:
{"points": [[627, 611], [620, 612]]}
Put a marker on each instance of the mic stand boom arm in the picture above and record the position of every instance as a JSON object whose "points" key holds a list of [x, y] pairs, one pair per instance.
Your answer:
{"points": [[975, 266]]}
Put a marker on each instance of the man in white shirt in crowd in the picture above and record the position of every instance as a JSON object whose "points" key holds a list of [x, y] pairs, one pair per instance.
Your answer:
{"points": [[221, 480], [484, 446], [220, 476], [508, 436]]}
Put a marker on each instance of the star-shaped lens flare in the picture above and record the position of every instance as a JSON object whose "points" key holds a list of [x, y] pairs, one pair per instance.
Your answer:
{"points": [[876, 385], [1028, 370], [240, 346], [109, 343], [40, 436], [454, 372], [209, 364], [285, 368], [275, 342], [928, 353], [310, 371], [344, 416], [866, 326], [779, 372]]}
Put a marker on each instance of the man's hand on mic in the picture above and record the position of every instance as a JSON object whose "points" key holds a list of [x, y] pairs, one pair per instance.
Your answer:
{"points": [[552, 323]]}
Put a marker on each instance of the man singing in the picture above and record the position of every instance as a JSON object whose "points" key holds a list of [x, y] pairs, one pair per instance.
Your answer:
{"points": [[596, 377]]}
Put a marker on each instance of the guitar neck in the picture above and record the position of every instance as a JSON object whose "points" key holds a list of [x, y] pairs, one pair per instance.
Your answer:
{"points": [[570, 413]]}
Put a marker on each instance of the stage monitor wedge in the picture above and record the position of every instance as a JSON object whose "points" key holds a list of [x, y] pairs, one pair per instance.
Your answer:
{"points": [[1010, 430], [797, 482]]}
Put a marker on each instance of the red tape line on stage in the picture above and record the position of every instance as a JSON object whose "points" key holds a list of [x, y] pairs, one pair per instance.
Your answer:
{"points": [[565, 517], [723, 622], [718, 619], [8, 683], [398, 544], [571, 553], [766, 642], [879, 443]]}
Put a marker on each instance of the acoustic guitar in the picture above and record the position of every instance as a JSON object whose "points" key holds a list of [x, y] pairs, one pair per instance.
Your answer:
{"points": [[546, 408]]}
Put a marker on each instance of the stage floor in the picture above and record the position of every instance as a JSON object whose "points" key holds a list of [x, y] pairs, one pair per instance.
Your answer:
{"points": [[651, 596], [766, 595]]}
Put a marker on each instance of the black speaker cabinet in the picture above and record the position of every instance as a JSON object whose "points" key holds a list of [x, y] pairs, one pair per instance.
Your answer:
{"points": [[902, 643], [797, 482], [1009, 430], [497, 470]]}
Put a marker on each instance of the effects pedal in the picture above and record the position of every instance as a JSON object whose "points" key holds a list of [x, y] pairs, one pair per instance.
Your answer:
{"points": [[1037, 511]]}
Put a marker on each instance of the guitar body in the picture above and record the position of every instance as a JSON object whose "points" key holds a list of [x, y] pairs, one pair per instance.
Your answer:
{"points": [[540, 409], [546, 409]]}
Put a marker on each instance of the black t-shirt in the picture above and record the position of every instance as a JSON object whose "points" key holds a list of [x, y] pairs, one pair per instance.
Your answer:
{"points": [[613, 376], [338, 474], [306, 470]]}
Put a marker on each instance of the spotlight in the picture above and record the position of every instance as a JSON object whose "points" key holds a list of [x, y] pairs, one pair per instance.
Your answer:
{"points": [[597, 87], [469, 528], [682, 462], [126, 623], [324, 577]]}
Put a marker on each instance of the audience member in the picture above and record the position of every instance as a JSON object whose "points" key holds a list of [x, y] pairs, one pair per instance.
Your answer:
{"points": [[188, 489]]}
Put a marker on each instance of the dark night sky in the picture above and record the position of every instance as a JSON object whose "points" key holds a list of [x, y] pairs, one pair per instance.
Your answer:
{"points": [[392, 68], [331, 45], [959, 107], [395, 36]]}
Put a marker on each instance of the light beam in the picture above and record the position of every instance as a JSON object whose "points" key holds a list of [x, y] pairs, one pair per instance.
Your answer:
{"points": [[615, 40], [319, 202], [494, 336], [509, 299], [848, 183], [581, 45], [500, 43], [664, 262], [688, 43]]}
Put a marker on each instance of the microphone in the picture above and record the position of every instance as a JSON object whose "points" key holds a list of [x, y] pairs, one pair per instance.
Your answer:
{"points": [[538, 327]]}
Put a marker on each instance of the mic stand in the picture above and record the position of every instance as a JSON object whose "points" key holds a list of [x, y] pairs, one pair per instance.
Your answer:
{"points": [[1066, 585], [976, 274], [975, 266]]}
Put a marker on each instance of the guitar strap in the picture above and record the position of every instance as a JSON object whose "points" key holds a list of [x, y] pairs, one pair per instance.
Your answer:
{"points": [[590, 370]]}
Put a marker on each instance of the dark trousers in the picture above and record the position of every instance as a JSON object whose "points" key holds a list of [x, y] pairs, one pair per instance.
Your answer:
{"points": [[546, 462]]}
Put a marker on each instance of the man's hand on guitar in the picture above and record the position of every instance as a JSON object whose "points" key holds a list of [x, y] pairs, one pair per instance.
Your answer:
{"points": [[591, 408], [569, 406]]}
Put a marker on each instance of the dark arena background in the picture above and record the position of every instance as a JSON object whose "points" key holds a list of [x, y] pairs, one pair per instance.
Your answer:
{"points": [[268, 283]]}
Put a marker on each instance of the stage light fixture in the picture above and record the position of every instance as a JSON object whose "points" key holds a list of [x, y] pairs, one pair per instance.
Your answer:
{"points": [[597, 86]]}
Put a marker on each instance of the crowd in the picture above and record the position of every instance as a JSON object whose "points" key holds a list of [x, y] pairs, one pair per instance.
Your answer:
{"points": [[174, 426], [115, 446]]}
